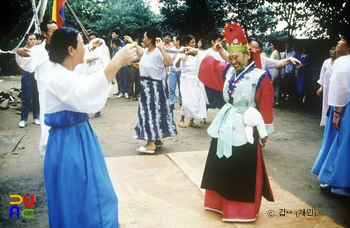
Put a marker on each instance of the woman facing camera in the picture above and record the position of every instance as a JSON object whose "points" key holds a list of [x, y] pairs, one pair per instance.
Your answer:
{"points": [[194, 98], [78, 186], [235, 176]]}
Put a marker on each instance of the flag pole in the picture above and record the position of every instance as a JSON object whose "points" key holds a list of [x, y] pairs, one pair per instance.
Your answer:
{"points": [[78, 21]]}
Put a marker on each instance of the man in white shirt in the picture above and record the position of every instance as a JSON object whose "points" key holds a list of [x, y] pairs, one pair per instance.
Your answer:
{"points": [[37, 59]]}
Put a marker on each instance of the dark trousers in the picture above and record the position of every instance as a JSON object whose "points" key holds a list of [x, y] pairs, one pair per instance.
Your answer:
{"points": [[30, 96], [290, 83], [122, 79], [134, 81]]}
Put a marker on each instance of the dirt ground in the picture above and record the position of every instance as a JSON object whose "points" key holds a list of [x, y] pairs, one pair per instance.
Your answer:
{"points": [[289, 154]]}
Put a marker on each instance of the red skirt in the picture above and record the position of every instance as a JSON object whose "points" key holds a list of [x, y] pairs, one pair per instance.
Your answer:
{"points": [[238, 207]]}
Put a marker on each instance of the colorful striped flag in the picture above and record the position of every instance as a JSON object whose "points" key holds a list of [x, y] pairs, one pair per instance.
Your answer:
{"points": [[58, 12]]}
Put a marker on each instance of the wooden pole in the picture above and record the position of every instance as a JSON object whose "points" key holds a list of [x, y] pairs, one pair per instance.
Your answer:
{"points": [[41, 11], [78, 21], [36, 20]]}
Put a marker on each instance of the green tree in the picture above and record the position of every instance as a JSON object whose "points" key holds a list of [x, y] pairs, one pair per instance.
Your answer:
{"points": [[255, 17], [329, 17], [294, 12], [197, 17], [104, 15], [318, 19], [202, 17], [14, 24]]}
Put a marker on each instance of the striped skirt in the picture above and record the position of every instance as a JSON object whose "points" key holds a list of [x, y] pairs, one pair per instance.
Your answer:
{"points": [[155, 119]]}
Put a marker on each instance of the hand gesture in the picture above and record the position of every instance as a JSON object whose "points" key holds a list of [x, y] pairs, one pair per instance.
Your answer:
{"points": [[127, 54], [96, 42], [190, 51], [295, 61], [128, 39], [24, 52], [159, 42], [91, 58], [217, 46]]}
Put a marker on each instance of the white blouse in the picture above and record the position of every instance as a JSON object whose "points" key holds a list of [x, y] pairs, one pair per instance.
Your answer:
{"points": [[339, 86], [68, 90], [152, 64]]}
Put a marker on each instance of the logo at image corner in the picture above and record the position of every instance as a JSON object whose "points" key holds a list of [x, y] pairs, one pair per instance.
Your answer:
{"points": [[27, 211]]}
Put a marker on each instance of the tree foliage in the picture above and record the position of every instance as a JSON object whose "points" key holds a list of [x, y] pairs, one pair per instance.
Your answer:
{"points": [[330, 16], [256, 18], [203, 17], [197, 17], [15, 17], [104, 15], [319, 18]]}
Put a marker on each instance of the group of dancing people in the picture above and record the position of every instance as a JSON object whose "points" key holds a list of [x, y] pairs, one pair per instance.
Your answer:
{"points": [[75, 171]]}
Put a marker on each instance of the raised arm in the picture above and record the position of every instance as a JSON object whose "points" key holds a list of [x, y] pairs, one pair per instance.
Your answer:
{"points": [[222, 52], [284, 62], [168, 61], [138, 48], [126, 55]]}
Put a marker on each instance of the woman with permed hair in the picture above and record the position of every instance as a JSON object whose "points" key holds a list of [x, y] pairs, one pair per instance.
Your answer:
{"points": [[155, 118]]}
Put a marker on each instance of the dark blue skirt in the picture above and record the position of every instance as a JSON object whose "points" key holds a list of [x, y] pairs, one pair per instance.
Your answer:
{"points": [[215, 98], [155, 119]]}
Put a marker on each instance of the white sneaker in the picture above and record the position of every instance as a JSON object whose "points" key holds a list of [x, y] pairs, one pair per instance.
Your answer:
{"points": [[37, 122], [120, 95], [22, 123], [324, 186], [126, 95], [341, 191]]}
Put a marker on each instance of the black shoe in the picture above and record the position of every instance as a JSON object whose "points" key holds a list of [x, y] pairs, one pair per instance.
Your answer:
{"points": [[97, 114]]}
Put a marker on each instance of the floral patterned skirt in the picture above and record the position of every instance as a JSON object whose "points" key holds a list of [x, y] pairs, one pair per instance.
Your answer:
{"points": [[155, 119]]}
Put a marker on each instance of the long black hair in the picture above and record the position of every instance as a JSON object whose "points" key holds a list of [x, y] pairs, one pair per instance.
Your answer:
{"points": [[203, 44], [61, 39]]}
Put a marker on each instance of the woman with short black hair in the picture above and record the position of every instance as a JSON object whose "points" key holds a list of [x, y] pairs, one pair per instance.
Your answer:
{"points": [[155, 119]]}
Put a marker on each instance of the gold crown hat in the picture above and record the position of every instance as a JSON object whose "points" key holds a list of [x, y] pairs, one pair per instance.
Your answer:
{"points": [[235, 37]]}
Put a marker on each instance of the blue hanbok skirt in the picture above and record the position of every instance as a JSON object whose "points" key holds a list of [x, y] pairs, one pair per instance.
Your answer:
{"points": [[78, 187], [333, 162]]}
